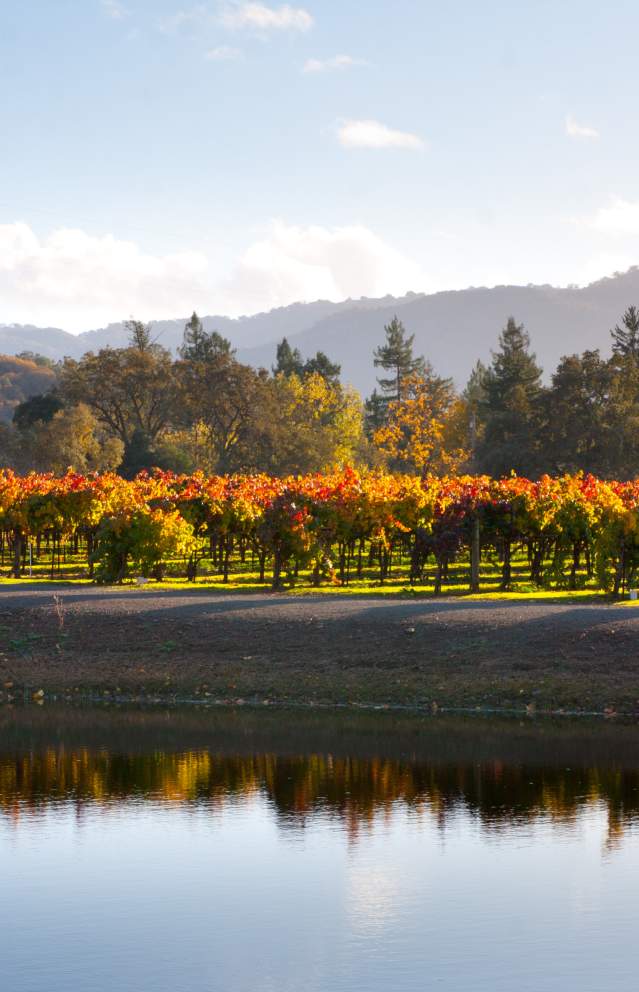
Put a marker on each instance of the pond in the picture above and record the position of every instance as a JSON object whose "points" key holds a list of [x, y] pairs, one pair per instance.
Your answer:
{"points": [[242, 851]]}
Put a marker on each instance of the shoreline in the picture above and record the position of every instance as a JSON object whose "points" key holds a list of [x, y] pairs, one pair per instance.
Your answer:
{"points": [[25, 695], [402, 735]]}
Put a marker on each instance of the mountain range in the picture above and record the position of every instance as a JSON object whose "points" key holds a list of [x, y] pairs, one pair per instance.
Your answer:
{"points": [[452, 329]]}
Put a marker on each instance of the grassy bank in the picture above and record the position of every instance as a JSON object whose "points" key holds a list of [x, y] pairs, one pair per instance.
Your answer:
{"points": [[243, 578]]}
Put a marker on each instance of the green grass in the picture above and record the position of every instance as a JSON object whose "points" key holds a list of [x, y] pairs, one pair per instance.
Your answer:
{"points": [[244, 579]]}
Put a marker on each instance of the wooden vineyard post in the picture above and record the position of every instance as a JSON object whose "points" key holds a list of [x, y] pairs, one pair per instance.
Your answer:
{"points": [[475, 555]]}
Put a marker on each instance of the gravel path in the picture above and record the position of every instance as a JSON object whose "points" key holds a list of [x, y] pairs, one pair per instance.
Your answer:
{"points": [[188, 603]]}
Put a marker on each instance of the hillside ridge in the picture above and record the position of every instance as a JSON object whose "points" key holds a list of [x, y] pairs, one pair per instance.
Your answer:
{"points": [[452, 328]]}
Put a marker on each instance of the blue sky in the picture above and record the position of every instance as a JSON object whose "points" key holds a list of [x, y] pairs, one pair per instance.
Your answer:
{"points": [[236, 156]]}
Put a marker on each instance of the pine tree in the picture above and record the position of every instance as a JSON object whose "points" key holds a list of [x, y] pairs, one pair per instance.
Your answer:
{"points": [[577, 416], [622, 401], [475, 392], [199, 345], [474, 400], [322, 365], [396, 355], [288, 361], [375, 411], [510, 409], [625, 339]]}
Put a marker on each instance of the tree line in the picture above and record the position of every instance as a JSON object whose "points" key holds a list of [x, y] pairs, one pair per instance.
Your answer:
{"points": [[138, 407]]}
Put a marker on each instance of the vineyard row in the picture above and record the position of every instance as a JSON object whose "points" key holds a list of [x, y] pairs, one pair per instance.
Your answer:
{"points": [[331, 528]]}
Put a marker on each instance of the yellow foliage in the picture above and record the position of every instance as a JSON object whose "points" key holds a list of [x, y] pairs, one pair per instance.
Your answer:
{"points": [[425, 430]]}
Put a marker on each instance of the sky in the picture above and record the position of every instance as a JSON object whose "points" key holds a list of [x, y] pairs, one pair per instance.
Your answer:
{"points": [[237, 156]]}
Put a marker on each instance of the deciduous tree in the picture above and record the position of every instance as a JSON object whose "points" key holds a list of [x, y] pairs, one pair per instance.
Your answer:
{"points": [[425, 431], [131, 391]]}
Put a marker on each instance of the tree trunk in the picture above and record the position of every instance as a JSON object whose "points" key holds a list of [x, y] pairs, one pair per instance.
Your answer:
{"points": [[277, 569]]}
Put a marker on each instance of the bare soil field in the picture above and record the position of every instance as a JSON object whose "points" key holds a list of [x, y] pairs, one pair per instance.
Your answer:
{"points": [[528, 656]]}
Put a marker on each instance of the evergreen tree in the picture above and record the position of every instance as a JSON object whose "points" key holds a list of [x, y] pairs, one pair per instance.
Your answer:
{"points": [[200, 346], [474, 400], [622, 400], [575, 416], [396, 356], [625, 339], [622, 417], [375, 410], [511, 406], [322, 365], [288, 361], [475, 391]]}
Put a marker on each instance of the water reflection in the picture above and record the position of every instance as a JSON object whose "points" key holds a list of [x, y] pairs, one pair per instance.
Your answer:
{"points": [[499, 792], [191, 851]]}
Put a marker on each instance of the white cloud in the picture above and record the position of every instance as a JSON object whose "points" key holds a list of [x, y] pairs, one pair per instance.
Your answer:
{"points": [[602, 264], [76, 280], [575, 130], [372, 134], [262, 18], [619, 217], [223, 53], [293, 263], [114, 9], [328, 65]]}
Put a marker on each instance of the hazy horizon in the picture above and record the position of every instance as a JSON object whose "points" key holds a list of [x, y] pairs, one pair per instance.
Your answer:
{"points": [[204, 313]]}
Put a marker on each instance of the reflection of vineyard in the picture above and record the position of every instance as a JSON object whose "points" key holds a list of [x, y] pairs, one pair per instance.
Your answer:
{"points": [[353, 790]]}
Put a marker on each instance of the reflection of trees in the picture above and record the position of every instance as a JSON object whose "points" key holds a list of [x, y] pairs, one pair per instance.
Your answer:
{"points": [[353, 790]]}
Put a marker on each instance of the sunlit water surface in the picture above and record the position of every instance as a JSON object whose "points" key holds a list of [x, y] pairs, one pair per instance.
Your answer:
{"points": [[198, 868]]}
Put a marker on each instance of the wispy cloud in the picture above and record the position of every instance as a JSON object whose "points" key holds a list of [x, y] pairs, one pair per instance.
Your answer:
{"points": [[575, 130], [114, 9], [329, 65], [223, 53], [262, 18], [172, 23], [373, 134]]}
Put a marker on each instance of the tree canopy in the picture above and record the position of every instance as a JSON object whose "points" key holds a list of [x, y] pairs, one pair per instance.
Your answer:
{"points": [[139, 407]]}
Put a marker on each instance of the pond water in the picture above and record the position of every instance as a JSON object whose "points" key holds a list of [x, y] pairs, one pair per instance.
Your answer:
{"points": [[168, 851]]}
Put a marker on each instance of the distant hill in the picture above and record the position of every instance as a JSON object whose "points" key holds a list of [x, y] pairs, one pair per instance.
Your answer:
{"points": [[243, 331], [452, 329], [19, 380]]}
